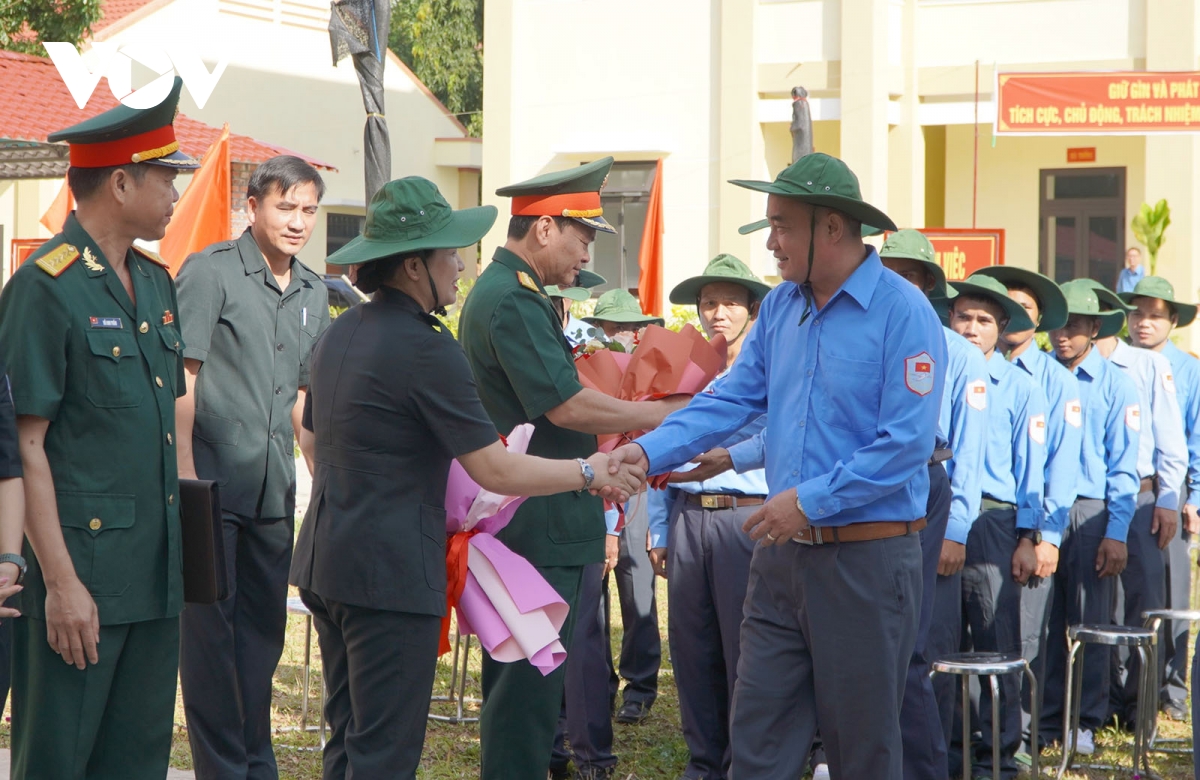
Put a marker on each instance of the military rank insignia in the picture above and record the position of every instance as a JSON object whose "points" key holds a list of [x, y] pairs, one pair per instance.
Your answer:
{"points": [[527, 282], [168, 317], [89, 260], [58, 260]]}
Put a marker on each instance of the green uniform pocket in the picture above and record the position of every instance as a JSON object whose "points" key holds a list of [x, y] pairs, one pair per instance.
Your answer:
{"points": [[114, 377], [96, 531], [433, 546], [174, 345], [215, 429]]}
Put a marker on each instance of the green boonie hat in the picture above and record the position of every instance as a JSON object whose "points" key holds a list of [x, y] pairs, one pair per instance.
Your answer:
{"points": [[722, 268], [410, 215], [573, 193], [578, 291], [1082, 298], [124, 135], [1158, 287], [619, 306], [1107, 296], [1051, 302], [989, 288], [822, 181], [868, 231], [909, 244]]}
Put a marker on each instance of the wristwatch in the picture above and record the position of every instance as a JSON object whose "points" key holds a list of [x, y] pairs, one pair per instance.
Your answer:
{"points": [[19, 562], [1031, 534], [589, 474]]}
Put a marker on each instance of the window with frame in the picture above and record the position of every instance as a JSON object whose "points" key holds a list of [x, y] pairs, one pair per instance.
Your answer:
{"points": [[625, 200]]}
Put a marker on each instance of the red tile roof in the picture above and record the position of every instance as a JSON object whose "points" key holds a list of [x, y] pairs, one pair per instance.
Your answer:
{"points": [[112, 11], [35, 102]]}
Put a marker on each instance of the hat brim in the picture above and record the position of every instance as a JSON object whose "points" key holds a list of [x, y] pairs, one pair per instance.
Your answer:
{"points": [[570, 293], [940, 288], [861, 210], [624, 319], [754, 227], [464, 228], [596, 223], [1018, 318], [1185, 311], [1051, 302], [177, 160], [689, 289], [588, 279], [1111, 322]]}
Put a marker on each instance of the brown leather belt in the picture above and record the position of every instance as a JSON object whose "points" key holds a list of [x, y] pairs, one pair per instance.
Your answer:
{"points": [[857, 532], [723, 500], [1150, 484]]}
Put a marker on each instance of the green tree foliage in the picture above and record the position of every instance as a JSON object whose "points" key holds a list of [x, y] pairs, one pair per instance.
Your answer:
{"points": [[1150, 227], [442, 41], [25, 24]]}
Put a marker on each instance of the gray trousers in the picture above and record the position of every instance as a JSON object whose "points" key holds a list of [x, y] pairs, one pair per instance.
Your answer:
{"points": [[1078, 596], [1142, 586], [228, 652], [946, 638], [827, 636], [1179, 595], [708, 567], [641, 644], [379, 669], [1035, 622], [1196, 704]]}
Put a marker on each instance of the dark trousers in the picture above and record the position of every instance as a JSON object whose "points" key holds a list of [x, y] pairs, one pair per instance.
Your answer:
{"points": [[379, 668], [920, 723], [229, 650], [1196, 704], [946, 638], [110, 721], [1035, 621], [1078, 596], [1179, 595], [708, 568], [1142, 586], [520, 705], [827, 637], [641, 644]]}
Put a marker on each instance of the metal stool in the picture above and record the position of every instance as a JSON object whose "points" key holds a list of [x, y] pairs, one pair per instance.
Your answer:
{"points": [[1154, 619], [296, 607], [968, 665], [458, 683], [1145, 641]]}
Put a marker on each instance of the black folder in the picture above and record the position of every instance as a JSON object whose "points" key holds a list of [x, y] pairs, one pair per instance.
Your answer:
{"points": [[204, 577]]}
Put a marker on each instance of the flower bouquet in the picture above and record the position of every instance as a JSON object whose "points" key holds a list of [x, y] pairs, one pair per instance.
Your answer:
{"points": [[499, 596]]}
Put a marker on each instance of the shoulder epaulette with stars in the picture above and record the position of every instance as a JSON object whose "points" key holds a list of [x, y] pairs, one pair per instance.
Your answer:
{"points": [[58, 260], [146, 253], [527, 282]]}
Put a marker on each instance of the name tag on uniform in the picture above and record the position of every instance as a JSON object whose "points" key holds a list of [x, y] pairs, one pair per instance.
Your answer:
{"points": [[111, 323]]}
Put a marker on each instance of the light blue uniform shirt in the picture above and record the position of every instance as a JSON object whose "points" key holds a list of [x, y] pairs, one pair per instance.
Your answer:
{"points": [[1162, 446], [1064, 437], [1127, 280], [1014, 461], [1110, 440], [851, 392], [1187, 390], [962, 423]]}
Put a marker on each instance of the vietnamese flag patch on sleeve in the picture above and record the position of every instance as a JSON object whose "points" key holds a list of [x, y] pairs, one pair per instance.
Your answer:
{"points": [[918, 373]]}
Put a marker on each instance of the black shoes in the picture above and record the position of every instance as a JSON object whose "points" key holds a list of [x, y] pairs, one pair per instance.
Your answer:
{"points": [[1175, 711], [633, 712]]}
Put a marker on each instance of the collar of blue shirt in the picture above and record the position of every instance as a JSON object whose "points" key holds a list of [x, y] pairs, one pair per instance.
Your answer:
{"points": [[861, 284]]}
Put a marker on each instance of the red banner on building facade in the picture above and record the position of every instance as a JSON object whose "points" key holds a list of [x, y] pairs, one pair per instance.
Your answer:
{"points": [[1115, 103], [962, 252]]}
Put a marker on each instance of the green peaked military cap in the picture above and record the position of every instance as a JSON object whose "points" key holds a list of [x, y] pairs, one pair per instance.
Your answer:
{"points": [[124, 135], [1158, 287], [573, 193], [822, 181], [722, 268], [578, 291], [1051, 302], [991, 289], [1083, 298], [909, 244], [410, 215], [1107, 296], [619, 306]]}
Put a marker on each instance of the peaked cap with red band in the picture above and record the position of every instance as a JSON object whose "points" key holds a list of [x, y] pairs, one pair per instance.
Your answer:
{"points": [[124, 135], [573, 193]]}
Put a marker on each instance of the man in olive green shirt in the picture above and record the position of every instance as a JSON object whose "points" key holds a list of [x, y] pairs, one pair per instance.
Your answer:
{"points": [[89, 328], [520, 358], [251, 312]]}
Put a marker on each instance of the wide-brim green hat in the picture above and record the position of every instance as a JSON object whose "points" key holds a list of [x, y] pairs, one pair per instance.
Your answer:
{"points": [[410, 215], [580, 291], [909, 244], [1158, 287], [619, 306], [992, 290], [1051, 302], [1107, 296], [1083, 298], [722, 269], [822, 181]]}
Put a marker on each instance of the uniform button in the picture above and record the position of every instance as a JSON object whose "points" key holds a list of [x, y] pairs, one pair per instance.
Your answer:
{"points": [[820, 511], [95, 524], [170, 440], [171, 499], [116, 352], [809, 372], [279, 391], [795, 473], [158, 381], [802, 423], [279, 347], [144, 328], [176, 345]]}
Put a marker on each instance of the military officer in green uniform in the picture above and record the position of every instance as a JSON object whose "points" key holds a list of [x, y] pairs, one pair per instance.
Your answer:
{"points": [[515, 345], [89, 328]]}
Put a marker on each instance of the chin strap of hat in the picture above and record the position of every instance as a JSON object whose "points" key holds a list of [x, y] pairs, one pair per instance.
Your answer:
{"points": [[806, 285], [438, 309]]}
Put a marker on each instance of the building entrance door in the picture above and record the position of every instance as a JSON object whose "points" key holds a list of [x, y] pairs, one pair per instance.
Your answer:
{"points": [[1082, 224]]}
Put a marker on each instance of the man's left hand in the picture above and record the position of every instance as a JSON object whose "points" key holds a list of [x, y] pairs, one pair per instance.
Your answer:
{"points": [[1047, 559], [1024, 561], [612, 552], [1192, 519], [777, 521], [1165, 524]]}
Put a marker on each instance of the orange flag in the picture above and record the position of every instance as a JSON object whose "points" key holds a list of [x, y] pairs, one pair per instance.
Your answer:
{"points": [[202, 213], [650, 253], [56, 215]]}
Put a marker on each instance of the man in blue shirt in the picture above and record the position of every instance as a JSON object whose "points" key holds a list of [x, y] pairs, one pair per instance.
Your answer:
{"points": [[851, 359], [1133, 272], [1093, 550], [1001, 545], [1155, 315], [955, 471], [706, 555]]}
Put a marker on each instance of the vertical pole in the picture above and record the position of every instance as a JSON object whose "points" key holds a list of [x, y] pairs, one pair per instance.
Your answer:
{"points": [[975, 175]]}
